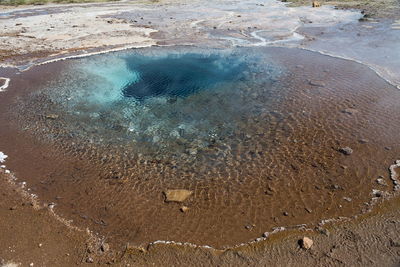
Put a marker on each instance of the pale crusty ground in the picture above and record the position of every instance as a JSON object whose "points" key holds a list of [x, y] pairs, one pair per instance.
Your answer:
{"points": [[371, 8]]}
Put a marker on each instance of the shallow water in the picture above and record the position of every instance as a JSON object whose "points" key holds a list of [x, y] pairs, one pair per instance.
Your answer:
{"points": [[259, 149]]}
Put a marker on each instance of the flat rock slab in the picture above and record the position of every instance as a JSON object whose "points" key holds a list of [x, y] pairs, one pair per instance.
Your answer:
{"points": [[177, 195]]}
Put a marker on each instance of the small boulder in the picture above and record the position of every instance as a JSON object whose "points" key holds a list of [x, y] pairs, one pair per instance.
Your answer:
{"points": [[316, 4], [177, 195], [306, 243]]}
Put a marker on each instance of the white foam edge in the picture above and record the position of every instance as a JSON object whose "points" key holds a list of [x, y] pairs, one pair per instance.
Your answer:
{"points": [[6, 83]]}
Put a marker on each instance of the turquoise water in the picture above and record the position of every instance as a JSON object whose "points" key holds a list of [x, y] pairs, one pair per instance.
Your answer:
{"points": [[162, 101], [179, 75]]}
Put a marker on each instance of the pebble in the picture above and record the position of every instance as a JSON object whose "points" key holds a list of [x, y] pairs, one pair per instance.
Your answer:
{"points": [[316, 83], [52, 116], [306, 243], [346, 150], [380, 181], [89, 260], [105, 247], [286, 214], [363, 141], [184, 209], [350, 111]]}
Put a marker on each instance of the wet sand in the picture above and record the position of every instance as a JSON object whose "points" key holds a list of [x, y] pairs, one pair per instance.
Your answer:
{"points": [[296, 176]]}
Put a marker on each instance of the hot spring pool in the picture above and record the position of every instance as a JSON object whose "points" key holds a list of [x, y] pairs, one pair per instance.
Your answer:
{"points": [[162, 101]]}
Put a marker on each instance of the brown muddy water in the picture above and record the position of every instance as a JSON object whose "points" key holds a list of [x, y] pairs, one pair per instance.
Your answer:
{"points": [[272, 159]]}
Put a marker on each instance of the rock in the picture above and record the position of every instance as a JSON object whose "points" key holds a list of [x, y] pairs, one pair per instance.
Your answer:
{"points": [[249, 226], [316, 83], [52, 116], [177, 195], [316, 4], [381, 181], [363, 141], [347, 199], [184, 209], [350, 111], [346, 150], [285, 214], [306, 243], [89, 260], [105, 247], [394, 243]]}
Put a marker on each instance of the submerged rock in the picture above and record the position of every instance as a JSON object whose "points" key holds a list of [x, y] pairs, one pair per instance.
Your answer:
{"points": [[316, 83], [177, 195], [350, 111]]}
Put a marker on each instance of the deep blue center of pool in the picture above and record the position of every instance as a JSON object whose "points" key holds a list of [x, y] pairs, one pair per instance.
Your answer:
{"points": [[180, 76]]}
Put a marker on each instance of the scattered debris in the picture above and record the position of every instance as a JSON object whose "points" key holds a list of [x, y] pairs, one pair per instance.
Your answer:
{"points": [[177, 195], [306, 243]]}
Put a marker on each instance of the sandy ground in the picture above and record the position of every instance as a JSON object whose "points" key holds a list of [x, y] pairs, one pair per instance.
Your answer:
{"points": [[31, 234]]}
